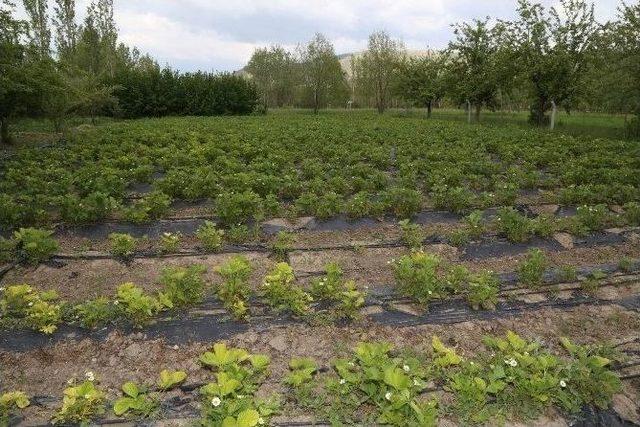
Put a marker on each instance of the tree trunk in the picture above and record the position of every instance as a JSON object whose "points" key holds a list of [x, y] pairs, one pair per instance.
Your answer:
{"points": [[429, 109], [5, 138], [315, 102], [478, 107]]}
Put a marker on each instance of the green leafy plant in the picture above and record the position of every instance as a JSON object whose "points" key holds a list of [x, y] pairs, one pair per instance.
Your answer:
{"points": [[240, 207], [137, 307], [234, 290], [122, 245], [531, 269], [282, 293], [412, 235], [183, 285], [594, 218], [80, 404], [281, 244], [210, 236], [170, 242], [453, 199], [7, 250], [483, 291], [568, 273], [33, 245], [625, 264], [350, 300], [632, 213], [417, 277], [150, 207], [10, 402], [96, 312], [514, 226], [135, 402], [402, 202], [301, 371], [327, 287], [171, 379], [38, 309]]}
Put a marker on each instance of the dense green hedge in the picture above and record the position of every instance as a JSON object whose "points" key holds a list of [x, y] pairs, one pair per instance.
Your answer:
{"points": [[155, 92]]}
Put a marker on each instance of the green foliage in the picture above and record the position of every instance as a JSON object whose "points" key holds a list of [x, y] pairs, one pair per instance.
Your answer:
{"points": [[568, 273], [135, 402], [281, 244], [514, 226], [122, 245], [81, 404], [234, 290], [183, 286], [38, 309], [137, 307], [7, 250], [301, 371], [412, 234], [150, 207], [170, 242], [417, 277], [531, 270], [483, 291], [454, 199], [210, 237], [10, 402], [593, 218], [282, 293], [171, 379], [33, 245], [236, 208], [402, 202], [632, 213], [93, 207], [96, 312]]}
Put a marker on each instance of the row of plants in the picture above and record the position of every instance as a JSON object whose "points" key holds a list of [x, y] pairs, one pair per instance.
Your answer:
{"points": [[509, 379], [334, 298], [257, 167]]}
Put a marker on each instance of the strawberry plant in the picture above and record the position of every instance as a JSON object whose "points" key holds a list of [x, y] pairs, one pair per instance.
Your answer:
{"points": [[482, 291], [210, 237], [236, 208], [170, 242], [417, 276], [9, 403], [183, 286], [122, 245], [150, 207], [33, 245], [81, 404], [135, 402], [593, 218], [234, 290], [412, 235], [402, 202], [171, 379], [514, 226], [453, 199], [281, 244], [282, 293], [96, 312], [38, 309], [137, 307], [531, 270], [632, 213]]}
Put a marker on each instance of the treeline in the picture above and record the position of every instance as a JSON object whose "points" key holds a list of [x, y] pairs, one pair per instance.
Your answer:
{"points": [[559, 57], [90, 73]]}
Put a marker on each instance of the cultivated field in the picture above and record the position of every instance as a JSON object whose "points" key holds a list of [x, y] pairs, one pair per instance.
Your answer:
{"points": [[344, 268]]}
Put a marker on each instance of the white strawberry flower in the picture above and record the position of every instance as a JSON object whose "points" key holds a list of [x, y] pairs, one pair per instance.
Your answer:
{"points": [[216, 401], [388, 395]]}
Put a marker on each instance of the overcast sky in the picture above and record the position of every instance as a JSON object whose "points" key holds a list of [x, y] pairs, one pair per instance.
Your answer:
{"points": [[220, 35]]}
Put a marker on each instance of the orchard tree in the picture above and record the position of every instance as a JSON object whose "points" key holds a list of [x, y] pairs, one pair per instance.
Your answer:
{"points": [[626, 38], [321, 72], [476, 69], [272, 70], [423, 80], [553, 47], [376, 70]]}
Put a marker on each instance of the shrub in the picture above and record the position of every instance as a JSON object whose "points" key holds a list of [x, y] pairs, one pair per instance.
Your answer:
{"points": [[237, 208], [281, 292], [531, 270], [183, 286], [122, 245], [210, 237], [34, 245]]}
